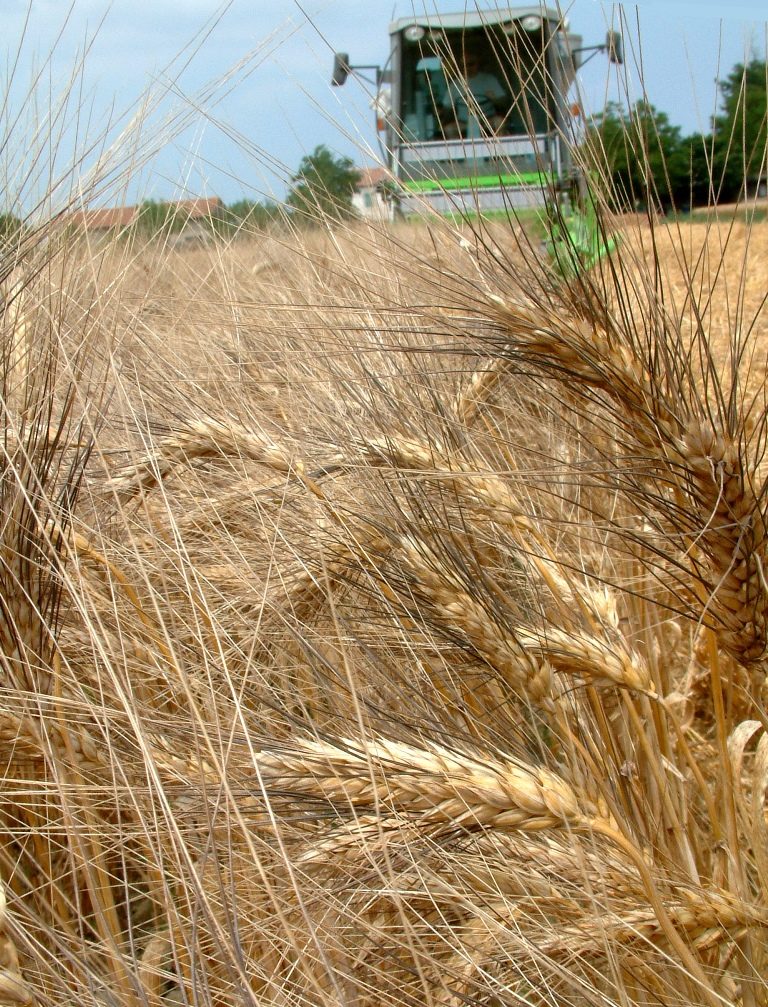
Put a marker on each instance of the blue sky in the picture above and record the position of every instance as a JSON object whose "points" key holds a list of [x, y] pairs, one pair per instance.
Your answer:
{"points": [[244, 138]]}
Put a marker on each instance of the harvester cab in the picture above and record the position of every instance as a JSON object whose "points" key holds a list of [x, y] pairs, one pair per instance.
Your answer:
{"points": [[474, 118]]}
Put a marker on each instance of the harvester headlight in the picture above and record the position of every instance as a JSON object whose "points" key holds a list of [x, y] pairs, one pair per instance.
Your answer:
{"points": [[532, 22], [414, 33]]}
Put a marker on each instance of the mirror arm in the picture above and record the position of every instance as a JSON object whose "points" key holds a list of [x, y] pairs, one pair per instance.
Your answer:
{"points": [[593, 50], [368, 66]]}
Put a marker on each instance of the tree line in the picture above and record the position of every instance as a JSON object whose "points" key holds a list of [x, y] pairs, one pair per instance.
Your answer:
{"points": [[322, 187], [650, 163]]}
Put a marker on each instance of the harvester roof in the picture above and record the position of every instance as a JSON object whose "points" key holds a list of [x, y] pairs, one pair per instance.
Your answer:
{"points": [[474, 18]]}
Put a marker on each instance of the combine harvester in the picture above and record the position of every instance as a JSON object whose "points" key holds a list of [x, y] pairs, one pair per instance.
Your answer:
{"points": [[474, 118]]}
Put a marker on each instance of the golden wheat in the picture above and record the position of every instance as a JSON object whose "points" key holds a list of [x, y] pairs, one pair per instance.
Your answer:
{"points": [[397, 636]]}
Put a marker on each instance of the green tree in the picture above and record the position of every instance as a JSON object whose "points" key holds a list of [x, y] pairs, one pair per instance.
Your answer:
{"points": [[739, 146], [323, 185], [606, 148], [698, 151], [10, 228], [159, 217], [251, 215], [642, 155]]}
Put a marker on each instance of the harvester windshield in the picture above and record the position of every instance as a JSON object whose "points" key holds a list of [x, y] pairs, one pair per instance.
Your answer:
{"points": [[479, 106], [474, 83]]}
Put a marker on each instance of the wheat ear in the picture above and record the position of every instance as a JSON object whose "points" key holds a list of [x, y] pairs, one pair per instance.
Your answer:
{"points": [[476, 392], [203, 439], [440, 786], [714, 505]]}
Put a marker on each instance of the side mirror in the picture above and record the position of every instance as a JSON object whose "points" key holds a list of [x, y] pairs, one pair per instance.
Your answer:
{"points": [[614, 46], [341, 68]]}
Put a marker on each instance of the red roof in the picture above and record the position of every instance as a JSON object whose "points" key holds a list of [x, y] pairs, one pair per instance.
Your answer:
{"points": [[107, 218], [194, 209], [371, 177]]}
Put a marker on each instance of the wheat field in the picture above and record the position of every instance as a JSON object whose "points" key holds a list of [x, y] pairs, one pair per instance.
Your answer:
{"points": [[384, 619]]}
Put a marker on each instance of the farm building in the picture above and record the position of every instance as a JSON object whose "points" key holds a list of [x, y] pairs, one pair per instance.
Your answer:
{"points": [[105, 219], [368, 198], [187, 214]]}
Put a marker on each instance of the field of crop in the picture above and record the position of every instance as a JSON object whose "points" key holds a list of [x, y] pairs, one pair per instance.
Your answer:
{"points": [[384, 621]]}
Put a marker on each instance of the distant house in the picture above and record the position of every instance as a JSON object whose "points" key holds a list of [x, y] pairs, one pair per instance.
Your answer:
{"points": [[189, 213], [197, 209], [193, 216], [104, 220], [368, 197]]}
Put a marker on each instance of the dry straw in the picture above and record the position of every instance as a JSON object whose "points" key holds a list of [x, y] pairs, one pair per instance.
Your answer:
{"points": [[430, 668], [13, 989]]}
